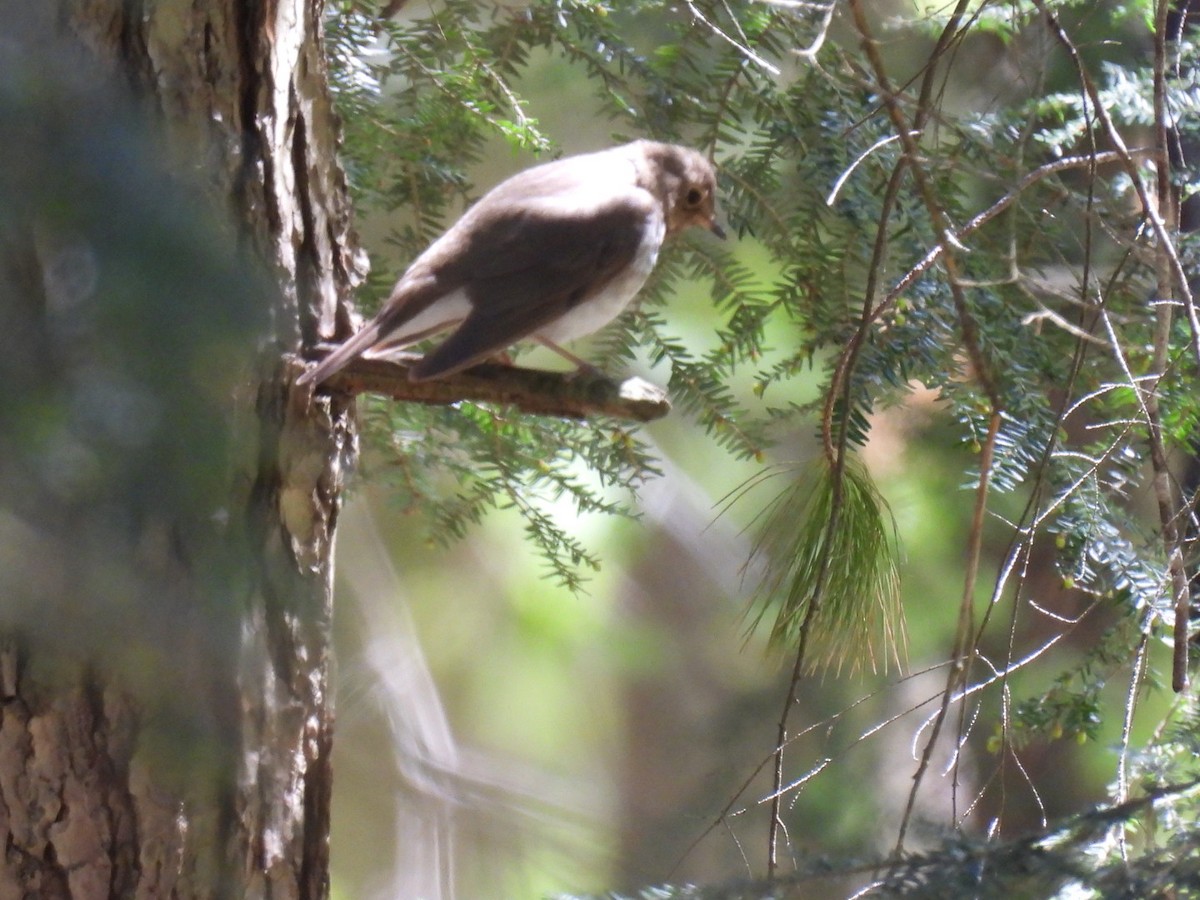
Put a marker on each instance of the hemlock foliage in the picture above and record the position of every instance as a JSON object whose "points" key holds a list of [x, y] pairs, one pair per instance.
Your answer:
{"points": [[917, 219]]}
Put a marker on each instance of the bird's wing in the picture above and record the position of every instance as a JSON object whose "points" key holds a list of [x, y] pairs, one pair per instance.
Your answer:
{"points": [[419, 294], [531, 249], [532, 266]]}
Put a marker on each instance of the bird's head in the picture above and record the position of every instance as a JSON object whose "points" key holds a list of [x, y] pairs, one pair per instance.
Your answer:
{"points": [[688, 187]]}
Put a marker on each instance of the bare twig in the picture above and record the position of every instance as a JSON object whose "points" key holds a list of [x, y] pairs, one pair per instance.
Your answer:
{"points": [[841, 180], [1136, 675], [964, 640], [740, 47], [814, 607], [826, 9], [826, 723], [1167, 507]]}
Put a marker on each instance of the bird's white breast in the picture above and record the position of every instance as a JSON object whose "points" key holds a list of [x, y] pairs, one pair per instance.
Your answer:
{"points": [[602, 307]]}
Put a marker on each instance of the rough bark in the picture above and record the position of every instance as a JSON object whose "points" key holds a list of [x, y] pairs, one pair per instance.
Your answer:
{"points": [[165, 712]]}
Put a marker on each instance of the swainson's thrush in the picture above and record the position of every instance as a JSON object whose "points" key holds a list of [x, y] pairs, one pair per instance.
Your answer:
{"points": [[553, 253]]}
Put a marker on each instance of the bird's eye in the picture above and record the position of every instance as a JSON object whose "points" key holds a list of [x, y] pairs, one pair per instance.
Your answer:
{"points": [[694, 196]]}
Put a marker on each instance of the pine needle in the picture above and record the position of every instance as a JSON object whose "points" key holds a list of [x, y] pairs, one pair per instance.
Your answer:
{"points": [[858, 617]]}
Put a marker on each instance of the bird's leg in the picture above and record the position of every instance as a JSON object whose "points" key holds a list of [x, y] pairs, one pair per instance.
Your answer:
{"points": [[581, 365]]}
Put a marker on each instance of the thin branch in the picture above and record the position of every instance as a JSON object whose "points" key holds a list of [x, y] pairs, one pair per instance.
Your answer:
{"points": [[937, 214], [848, 353], [781, 741], [827, 9], [827, 723], [1150, 208], [969, 331], [1163, 494], [574, 395], [1030, 179], [841, 179], [1136, 674], [964, 640], [1170, 277], [741, 48]]}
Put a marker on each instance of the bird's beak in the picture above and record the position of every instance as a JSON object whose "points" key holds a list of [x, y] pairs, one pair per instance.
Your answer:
{"points": [[717, 230]]}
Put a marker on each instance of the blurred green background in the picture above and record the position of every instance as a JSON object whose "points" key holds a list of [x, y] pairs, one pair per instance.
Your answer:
{"points": [[501, 737]]}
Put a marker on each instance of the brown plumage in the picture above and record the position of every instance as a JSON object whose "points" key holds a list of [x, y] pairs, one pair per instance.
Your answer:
{"points": [[551, 254]]}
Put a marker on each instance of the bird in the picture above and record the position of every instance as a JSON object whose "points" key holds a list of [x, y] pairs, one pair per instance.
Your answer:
{"points": [[551, 254]]}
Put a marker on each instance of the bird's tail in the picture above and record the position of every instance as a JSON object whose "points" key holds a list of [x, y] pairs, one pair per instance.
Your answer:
{"points": [[343, 355]]}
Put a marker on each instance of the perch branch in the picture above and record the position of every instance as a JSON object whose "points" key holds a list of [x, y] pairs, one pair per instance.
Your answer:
{"points": [[575, 395]]}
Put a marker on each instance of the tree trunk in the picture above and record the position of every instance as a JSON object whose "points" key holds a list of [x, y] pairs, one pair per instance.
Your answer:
{"points": [[173, 223]]}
